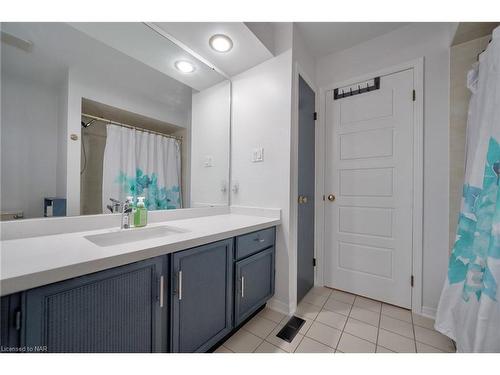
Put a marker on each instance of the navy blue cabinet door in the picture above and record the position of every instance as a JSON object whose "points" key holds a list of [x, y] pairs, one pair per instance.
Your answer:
{"points": [[254, 283], [201, 296], [116, 310], [10, 317]]}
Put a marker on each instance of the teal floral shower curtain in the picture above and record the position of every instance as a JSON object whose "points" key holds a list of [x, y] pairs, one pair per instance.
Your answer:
{"points": [[469, 308], [138, 163]]}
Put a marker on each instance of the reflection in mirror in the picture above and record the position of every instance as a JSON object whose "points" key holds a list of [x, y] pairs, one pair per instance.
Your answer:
{"points": [[93, 113]]}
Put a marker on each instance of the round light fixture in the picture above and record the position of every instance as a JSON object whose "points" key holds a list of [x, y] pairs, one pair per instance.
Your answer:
{"points": [[184, 66], [221, 43]]}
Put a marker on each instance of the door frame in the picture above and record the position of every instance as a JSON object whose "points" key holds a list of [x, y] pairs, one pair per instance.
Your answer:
{"points": [[418, 143], [298, 70]]}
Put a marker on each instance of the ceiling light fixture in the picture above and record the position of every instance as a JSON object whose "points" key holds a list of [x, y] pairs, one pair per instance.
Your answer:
{"points": [[221, 43], [184, 66]]}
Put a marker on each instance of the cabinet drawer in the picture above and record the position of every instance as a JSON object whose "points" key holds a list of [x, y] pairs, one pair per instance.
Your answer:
{"points": [[251, 243]]}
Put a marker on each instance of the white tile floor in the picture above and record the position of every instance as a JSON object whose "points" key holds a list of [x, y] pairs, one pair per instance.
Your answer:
{"points": [[340, 322]]}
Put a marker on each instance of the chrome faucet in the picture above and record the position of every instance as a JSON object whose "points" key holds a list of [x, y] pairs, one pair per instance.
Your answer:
{"points": [[126, 210], [114, 206]]}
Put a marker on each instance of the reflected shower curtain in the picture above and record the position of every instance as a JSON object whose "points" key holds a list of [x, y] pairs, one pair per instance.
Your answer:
{"points": [[469, 308], [138, 163]]}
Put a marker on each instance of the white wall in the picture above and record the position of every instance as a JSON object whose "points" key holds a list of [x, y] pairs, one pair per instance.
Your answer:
{"points": [[62, 138], [28, 145], [211, 110], [96, 86], [303, 56], [431, 40], [461, 59], [261, 117]]}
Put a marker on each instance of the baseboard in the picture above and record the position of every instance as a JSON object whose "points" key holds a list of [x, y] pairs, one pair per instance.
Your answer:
{"points": [[429, 312], [279, 306]]}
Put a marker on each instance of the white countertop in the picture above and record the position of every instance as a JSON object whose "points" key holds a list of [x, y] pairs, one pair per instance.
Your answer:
{"points": [[30, 262]]}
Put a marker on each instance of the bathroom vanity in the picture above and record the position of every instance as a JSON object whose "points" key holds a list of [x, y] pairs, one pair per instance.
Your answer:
{"points": [[70, 279], [173, 298]]}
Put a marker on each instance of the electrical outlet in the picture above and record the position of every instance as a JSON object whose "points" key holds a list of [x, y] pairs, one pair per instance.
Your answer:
{"points": [[223, 186], [236, 187]]}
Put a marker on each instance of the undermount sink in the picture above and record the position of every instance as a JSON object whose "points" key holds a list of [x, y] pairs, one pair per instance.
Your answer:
{"points": [[118, 237]]}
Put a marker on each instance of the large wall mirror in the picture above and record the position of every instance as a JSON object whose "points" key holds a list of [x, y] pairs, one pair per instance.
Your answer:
{"points": [[94, 112]]}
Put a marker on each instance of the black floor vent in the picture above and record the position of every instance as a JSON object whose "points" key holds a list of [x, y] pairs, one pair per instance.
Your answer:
{"points": [[291, 329]]}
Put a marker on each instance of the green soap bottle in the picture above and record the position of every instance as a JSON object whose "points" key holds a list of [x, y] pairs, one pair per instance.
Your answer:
{"points": [[141, 213]]}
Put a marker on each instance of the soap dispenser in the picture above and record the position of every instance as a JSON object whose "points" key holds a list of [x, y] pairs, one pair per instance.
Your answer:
{"points": [[141, 213]]}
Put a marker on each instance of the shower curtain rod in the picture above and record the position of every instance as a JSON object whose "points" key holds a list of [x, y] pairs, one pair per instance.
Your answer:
{"points": [[179, 138]]}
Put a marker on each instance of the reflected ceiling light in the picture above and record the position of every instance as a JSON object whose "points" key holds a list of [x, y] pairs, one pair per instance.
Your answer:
{"points": [[184, 66], [221, 43]]}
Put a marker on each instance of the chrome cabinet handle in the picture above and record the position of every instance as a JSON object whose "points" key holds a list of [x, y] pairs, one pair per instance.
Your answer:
{"points": [[242, 286], [259, 239], [179, 284], [161, 291]]}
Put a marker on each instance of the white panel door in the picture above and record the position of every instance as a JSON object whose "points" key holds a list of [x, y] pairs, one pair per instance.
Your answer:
{"points": [[369, 169]]}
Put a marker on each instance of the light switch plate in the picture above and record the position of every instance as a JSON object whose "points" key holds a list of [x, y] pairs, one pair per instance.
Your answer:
{"points": [[209, 161], [258, 155]]}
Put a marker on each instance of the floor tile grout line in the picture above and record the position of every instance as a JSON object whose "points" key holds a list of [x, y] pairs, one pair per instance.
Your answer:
{"points": [[384, 348], [316, 321], [405, 337], [349, 333], [342, 332], [319, 342], [361, 338], [313, 321], [401, 320], [396, 333], [257, 347], [328, 325], [262, 317], [338, 300], [250, 332], [270, 320], [378, 328], [305, 333], [294, 350], [263, 341], [432, 346]]}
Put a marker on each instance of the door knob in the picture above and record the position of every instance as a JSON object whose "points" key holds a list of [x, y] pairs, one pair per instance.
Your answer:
{"points": [[302, 199], [331, 197]]}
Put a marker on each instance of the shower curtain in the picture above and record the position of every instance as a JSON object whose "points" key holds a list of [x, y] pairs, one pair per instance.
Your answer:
{"points": [[138, 163], [469, 308]]}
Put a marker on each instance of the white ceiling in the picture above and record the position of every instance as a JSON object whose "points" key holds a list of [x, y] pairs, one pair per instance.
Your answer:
{"points": [[247, 50], [93, 108], [142, 43], [324, 38], [58, 47]]}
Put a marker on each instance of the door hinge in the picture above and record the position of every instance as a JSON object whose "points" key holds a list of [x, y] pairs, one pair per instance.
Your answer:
{"points": [[315, 116], [18, 321], [414, 95], [314, 262], [411, 280]]}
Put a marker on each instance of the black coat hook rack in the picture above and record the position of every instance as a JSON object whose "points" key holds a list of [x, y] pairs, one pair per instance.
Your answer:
{"points": [[340, 93]]}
